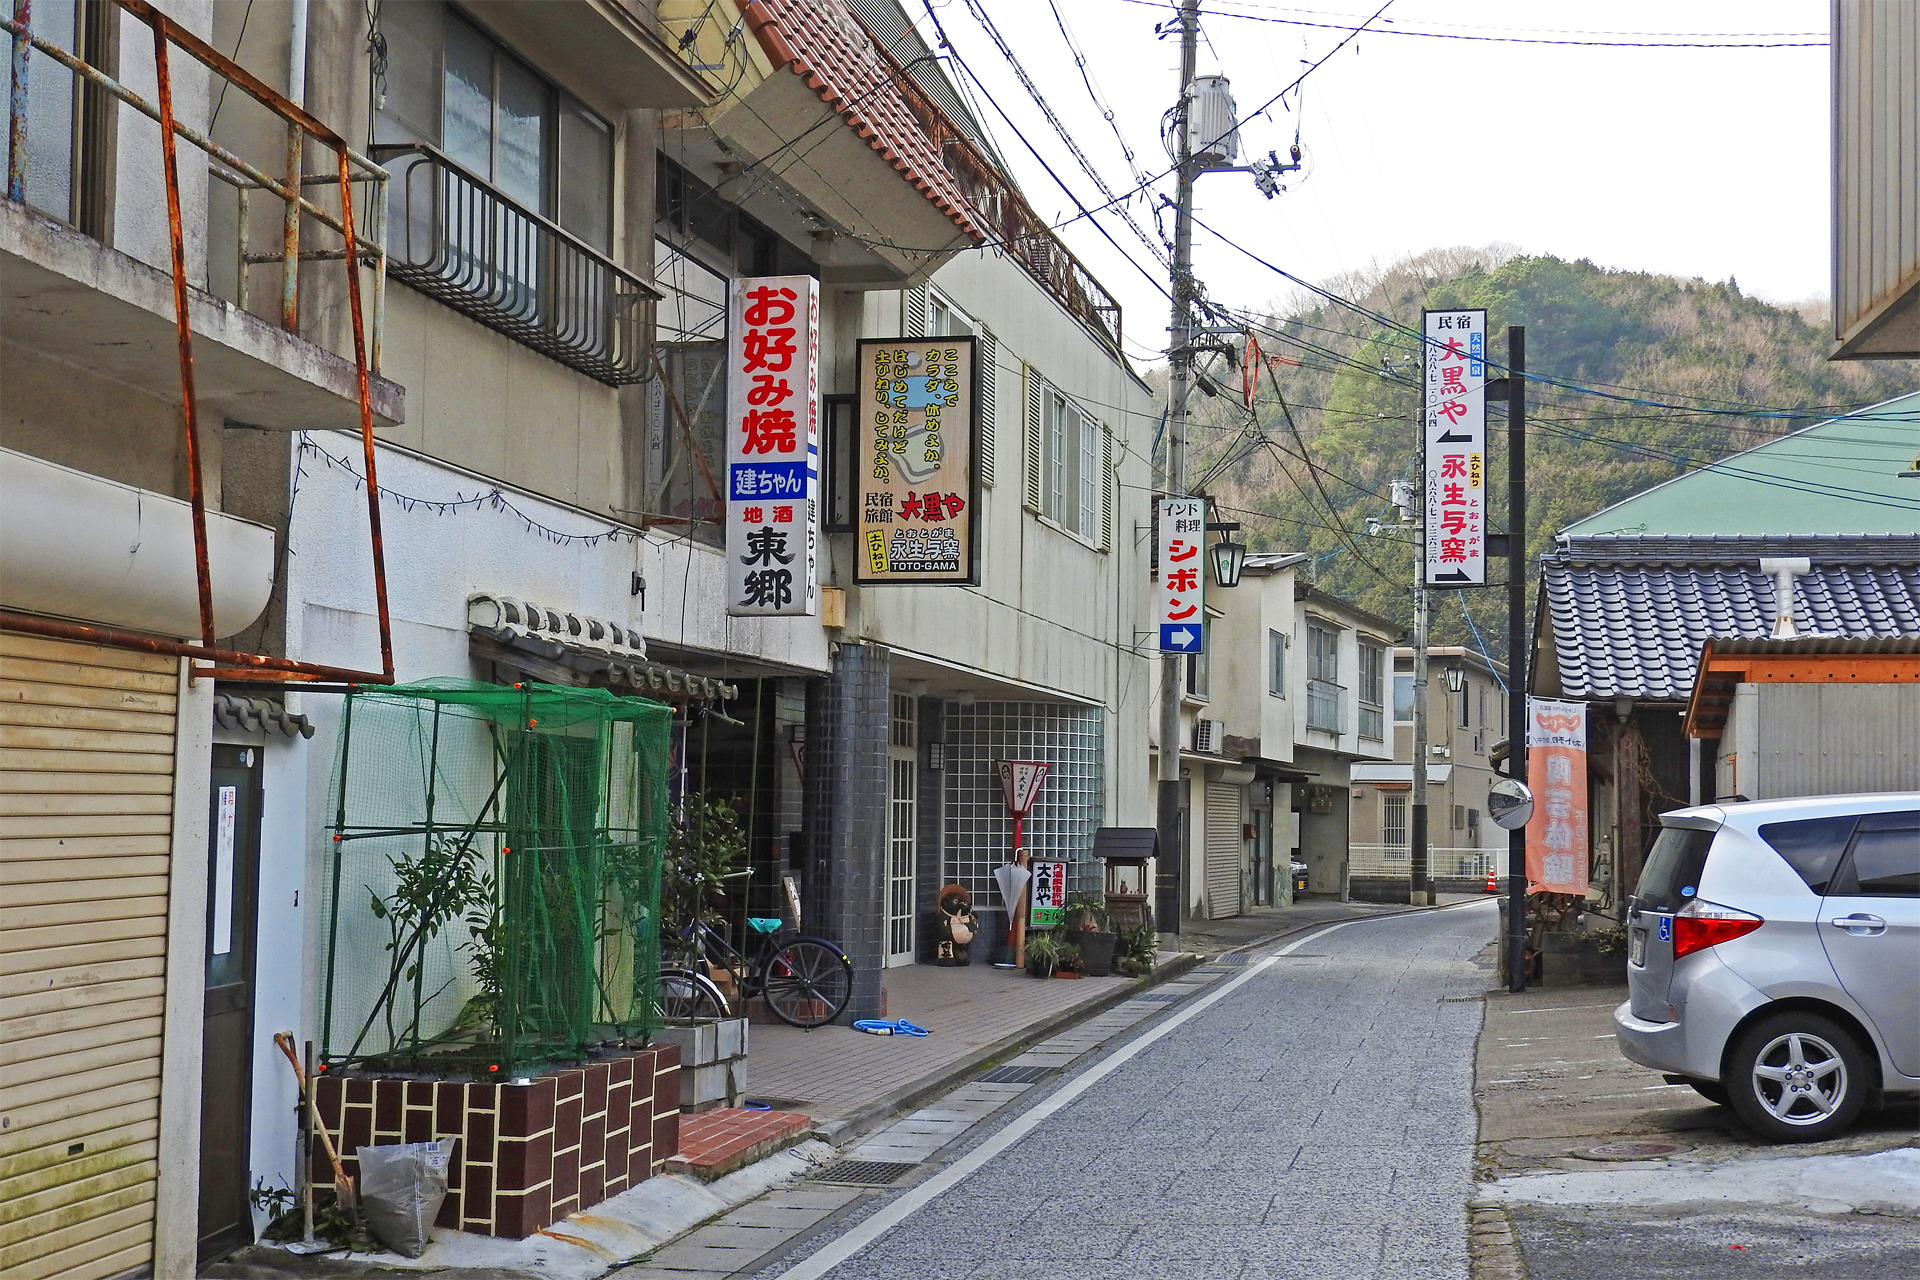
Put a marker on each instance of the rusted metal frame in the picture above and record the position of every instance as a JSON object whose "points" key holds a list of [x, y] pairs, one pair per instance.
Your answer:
{"points": [[21, 27], [290, 234], [189, 412], [366, 419], [241, 272], [256, 665], [372, 171]]}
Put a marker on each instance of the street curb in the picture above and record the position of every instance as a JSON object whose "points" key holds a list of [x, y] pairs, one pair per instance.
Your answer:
{"points": [[1303, 927], [842, 1129], [1493, 1251]]}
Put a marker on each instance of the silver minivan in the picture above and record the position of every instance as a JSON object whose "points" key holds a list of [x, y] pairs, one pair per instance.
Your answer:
{"points": [[1773, 958]]}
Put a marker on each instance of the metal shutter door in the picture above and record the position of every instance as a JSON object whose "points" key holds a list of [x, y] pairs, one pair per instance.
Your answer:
{"points": [[1223, 847], [86, 819]]}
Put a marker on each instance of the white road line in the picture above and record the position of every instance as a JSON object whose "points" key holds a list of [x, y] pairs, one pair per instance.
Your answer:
{"points": [[867, 1231]]}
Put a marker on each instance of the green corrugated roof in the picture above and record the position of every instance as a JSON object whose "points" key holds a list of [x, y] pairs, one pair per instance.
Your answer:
{"points": [[1837, 476]]}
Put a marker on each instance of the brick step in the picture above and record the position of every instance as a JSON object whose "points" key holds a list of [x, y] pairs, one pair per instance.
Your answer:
{"points": [[715, 1143]]}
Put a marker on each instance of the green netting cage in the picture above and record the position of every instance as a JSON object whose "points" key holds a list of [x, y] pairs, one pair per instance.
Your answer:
{"points": [[491, 893]]}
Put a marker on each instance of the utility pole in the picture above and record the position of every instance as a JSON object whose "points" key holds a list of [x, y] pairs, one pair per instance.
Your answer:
{"points": [[1517, 645], [1180, 376], [1417, 810]]}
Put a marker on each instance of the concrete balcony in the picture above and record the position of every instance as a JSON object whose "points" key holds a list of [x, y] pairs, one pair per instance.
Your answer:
{"points": [[66, 298]]}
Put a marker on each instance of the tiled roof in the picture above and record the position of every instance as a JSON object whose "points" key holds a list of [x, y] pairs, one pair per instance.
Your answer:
{"points": [[822, 41], [1628, 616]]}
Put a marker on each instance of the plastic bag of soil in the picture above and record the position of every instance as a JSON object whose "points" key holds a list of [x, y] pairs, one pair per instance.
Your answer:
{"points": [[401, 1190]]}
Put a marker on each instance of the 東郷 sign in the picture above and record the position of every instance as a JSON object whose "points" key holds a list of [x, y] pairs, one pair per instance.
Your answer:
{"points": [[915, 502], [773, 452], [1453, 413], [1182, 605]]}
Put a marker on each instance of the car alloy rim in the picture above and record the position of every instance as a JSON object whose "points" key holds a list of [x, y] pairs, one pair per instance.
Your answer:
{"points": [[1799, 1078]]}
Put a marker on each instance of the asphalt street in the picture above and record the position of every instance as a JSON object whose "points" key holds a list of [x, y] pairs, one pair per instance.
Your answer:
{"points": [[1311, 1117]]}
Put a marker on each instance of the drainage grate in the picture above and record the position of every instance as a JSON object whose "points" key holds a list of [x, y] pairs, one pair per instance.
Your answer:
{"points": [[862, 1173], [1160, 997], [1632, 1150], [1017, 1075], [1234, 958]]}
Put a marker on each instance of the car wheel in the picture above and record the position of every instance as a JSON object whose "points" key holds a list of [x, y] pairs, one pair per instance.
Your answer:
{"points": [[1796, 1077]]}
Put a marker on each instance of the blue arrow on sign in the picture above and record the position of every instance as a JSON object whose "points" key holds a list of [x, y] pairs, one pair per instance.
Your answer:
{"points": [[1176, 637]]}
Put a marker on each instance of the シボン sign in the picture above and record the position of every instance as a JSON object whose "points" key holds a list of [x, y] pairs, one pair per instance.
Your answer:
{"points": [[915, 500], [773, 445], [1453, 414], [1181, 604]]}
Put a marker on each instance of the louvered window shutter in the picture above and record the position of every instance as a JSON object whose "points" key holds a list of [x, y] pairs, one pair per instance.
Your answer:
{"points": [[985, 353], [1109, 488], [914, 312], [1030, 438]]}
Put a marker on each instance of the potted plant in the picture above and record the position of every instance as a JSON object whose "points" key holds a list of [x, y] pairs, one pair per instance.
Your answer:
{"points": [[1137, 951], [1087, 925], [1070, 963], [1042, 954]]}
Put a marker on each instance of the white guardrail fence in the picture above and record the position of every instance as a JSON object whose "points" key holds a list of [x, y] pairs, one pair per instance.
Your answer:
{"points": [[1396, 860]]}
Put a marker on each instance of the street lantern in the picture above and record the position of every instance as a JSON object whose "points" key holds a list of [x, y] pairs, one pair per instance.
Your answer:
{"points": [[1229, 557], [1456, 679]]}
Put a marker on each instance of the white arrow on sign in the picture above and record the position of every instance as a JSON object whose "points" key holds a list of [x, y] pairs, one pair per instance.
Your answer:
{"points": [[1183, 638]]}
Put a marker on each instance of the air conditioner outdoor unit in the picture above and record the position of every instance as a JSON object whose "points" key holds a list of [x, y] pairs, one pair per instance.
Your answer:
{"points": [[1208, 736]]}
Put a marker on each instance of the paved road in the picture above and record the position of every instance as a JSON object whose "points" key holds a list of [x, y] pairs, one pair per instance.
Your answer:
{"points": [[1314, 1120]]}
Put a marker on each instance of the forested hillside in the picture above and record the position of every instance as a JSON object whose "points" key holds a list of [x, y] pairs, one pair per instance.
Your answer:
{"points": [[1328, 436]]}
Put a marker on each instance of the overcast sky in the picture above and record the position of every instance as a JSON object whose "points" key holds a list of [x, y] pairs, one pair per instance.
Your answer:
{"points": [[1708, 162]]}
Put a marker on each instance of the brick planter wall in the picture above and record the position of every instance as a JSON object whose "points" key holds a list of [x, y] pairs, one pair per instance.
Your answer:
{"points": [[527, 1155]]}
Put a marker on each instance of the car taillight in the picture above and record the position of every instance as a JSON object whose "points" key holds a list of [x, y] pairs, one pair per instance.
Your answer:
{"points": [[1700, 925]]}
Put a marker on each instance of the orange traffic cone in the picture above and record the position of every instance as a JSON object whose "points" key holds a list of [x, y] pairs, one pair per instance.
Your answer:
{"points": [[1493, 881]]}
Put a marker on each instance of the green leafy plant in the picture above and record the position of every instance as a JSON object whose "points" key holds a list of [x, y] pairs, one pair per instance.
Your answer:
{"points": [[430, 891], [1086, 913], [1043, 954], [1069, 960], [705, 844]]}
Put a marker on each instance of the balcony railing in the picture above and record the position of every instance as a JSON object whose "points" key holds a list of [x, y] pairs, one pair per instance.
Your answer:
{"points": [[460, 240], [1326, 706]]}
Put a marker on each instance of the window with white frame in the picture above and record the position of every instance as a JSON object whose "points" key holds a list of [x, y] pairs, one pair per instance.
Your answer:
{"points": [[1325, 696], [1393, 817], [1373, 667], [1070, 465], [1277, 663], [1403, 696]]}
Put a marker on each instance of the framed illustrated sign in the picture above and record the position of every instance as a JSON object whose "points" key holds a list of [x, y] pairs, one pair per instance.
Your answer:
{"points": [[916, 441]]}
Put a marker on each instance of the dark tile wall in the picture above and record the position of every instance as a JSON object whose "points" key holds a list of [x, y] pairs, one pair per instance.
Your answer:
{"points": [[930, 863], [848, 716], [526, 1155]]}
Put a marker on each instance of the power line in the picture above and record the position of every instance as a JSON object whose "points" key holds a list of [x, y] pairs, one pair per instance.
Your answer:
{"points": [[1763, 42]]}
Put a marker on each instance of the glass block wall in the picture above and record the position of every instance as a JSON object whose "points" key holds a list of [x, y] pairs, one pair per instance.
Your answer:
{"points": [[978, 830]]}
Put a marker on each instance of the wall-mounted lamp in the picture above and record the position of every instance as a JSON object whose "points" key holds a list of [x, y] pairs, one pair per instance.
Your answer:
{"points": [[963, 698], [1229, 556], [1456, 679], [936, 756]]}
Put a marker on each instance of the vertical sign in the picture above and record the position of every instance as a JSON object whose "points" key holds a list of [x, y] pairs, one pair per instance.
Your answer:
{"points": [[773, 445], [914, 494], [1049, 895], [226, 809], [1557, 770], [1453, 413], [1183, 574], [1020, 784]]}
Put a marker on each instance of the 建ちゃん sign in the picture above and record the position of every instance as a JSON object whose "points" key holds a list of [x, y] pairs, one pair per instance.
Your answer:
{"points": [[773, 445], [915, 445]]}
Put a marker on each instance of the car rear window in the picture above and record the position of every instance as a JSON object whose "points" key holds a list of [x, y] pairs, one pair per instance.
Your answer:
{"points": [[1886, 858], [1672, 873], [1813, 847]]}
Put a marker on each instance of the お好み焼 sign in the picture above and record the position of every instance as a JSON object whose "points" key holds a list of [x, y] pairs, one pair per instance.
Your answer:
{"points": [[916, 440]]}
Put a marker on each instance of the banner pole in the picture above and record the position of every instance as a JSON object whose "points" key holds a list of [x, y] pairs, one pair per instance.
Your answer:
{"points": [[1517, 682]]}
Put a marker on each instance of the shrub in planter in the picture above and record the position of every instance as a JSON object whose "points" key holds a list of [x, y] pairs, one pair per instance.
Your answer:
{"points": [[1087, 925], [1043, 953], [1070, 964]]}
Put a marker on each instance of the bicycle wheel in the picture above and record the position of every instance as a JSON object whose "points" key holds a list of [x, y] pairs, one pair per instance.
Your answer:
{"points": [[808, 982], [685, 995]]}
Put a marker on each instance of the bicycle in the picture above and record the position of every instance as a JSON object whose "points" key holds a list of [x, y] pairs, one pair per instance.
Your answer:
{"points": [[805, 982]]}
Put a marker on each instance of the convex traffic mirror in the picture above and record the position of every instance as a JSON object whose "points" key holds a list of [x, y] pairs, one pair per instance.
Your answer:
{"points": [[1509, 804]]}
